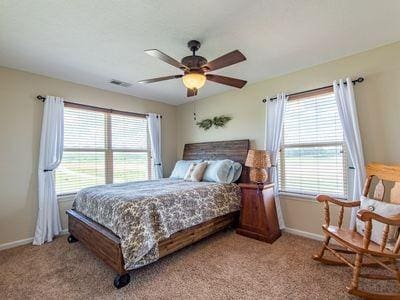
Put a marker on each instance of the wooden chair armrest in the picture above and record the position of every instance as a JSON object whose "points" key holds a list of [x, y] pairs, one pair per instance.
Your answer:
{"points": [[366, 215], [325, 198]]}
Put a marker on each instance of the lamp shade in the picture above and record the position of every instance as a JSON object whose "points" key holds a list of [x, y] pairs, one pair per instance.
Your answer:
{"points": [[258, 159]]}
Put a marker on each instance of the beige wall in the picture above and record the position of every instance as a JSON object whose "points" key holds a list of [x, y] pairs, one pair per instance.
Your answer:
{"points": [[378, 104], [20, 123], [378, 101]]}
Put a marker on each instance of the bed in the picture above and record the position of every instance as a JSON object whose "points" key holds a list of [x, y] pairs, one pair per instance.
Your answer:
{"points": [[133, 224]]}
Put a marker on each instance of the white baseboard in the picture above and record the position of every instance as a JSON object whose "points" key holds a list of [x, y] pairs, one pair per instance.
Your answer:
{"points": [[16, 243], [310, 235], [24, 241]]}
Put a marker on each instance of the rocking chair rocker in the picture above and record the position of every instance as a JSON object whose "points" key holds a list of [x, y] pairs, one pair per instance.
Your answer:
{"points": [[360, 244]]}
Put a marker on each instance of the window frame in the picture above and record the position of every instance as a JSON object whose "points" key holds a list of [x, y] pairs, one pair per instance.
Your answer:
{"points": [[283, 146], [108, 150]]}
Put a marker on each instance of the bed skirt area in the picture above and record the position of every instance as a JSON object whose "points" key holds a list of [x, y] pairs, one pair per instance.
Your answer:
{"points": [[107, 246]]}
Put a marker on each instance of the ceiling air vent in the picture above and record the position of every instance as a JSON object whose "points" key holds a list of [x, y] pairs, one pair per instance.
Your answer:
{"points": [[120, 83]]}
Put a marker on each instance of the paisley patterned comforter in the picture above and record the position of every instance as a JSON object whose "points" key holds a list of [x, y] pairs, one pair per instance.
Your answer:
{"points": [[145, 212]]}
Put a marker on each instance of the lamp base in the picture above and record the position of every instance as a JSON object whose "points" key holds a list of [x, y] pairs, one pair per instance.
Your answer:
{"points": [[258, 175]]}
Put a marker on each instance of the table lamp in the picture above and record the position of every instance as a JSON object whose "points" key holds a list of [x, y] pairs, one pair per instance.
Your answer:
{"points": [[258, 161]]}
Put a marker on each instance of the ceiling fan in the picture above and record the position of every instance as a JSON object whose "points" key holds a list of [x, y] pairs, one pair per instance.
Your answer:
{"points": [[195, 67]]}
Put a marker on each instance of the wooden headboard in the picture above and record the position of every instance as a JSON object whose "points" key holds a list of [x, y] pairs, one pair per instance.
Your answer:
{"points": [[234, 150]]}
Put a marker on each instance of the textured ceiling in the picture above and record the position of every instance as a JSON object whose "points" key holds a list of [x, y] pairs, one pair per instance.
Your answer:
{"points": [[93, 41]]}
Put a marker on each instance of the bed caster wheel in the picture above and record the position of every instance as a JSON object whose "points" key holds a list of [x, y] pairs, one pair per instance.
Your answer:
{"points": [[122, 280], [71, 239]]}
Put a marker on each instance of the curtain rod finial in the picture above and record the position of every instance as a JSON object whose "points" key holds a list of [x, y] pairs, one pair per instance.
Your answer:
{"points": [[358, 80], [41, 98]]}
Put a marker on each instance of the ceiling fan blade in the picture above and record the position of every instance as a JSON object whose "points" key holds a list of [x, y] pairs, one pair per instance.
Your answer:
{"points": [[160, 79], [191, 93], [238, 83], [223, 61], [164, 57]]}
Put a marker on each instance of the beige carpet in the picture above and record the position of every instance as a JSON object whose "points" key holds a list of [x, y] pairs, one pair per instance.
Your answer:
{"points": [[224, 266]]}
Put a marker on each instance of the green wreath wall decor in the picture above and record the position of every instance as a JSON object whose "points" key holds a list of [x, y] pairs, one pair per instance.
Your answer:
{"points": [[219, 121]]}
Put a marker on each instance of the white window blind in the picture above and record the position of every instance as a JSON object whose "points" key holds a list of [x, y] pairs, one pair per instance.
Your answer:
{"points": [[102, 147], [313, 155]]}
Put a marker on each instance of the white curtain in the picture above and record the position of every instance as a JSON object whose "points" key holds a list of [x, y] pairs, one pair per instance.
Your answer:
{"points": [[346, 104], [154, 122], [275, 112], [51, 149]]}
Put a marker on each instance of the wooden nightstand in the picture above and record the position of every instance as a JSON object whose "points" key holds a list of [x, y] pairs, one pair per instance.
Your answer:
{"points": [[258, 217]]}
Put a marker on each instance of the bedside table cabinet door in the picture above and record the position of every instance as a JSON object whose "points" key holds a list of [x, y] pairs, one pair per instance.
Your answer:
{"points": [[258, 217], [252, 210]]}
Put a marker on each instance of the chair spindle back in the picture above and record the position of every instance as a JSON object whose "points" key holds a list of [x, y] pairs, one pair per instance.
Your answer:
{"points": [[383, 173]]}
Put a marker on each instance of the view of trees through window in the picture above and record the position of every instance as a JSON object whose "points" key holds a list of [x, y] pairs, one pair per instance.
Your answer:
{"points": [[102, 147]]}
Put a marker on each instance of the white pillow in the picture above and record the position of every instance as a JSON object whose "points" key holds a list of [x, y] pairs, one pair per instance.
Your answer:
{"points": [[384, 209], [221, 171], [237, 169], [181, 168]]}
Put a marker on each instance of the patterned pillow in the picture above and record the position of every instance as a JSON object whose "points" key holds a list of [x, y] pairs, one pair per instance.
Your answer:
{"points": [[181, 168], [189, 172], [384, 209], [198, 172]]}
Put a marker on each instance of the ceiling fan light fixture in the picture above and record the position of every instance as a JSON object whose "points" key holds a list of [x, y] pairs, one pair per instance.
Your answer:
{"points": [[194, 67], [194, 80]]}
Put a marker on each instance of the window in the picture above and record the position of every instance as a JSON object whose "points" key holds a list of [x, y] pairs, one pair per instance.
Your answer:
{"points": [[102, 147], [313, 155]]}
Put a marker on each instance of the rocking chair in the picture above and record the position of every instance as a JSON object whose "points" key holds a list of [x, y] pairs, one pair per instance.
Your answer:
{"points": [[361, 244]]}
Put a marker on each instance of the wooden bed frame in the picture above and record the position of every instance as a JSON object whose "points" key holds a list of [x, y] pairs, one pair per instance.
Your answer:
{"points": [[107, 246]]}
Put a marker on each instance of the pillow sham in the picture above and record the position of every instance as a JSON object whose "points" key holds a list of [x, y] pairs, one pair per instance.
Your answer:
{"points": [[181, 168], [221, 171], [237, 171], [384, 209]]}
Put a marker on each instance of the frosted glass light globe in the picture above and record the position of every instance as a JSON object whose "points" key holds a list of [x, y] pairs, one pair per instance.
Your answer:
{"points": [[194, 80]]}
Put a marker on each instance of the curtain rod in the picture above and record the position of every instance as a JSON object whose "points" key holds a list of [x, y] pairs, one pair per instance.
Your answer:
{"points": [[42, 98], [358, 80]]}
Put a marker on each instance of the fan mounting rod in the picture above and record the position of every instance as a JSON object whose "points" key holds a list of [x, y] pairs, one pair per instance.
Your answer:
{"points": [[194, 45]]}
